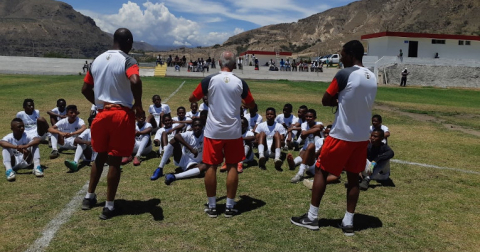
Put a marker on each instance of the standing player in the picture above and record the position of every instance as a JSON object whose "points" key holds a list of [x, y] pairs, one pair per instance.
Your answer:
{"points": [[59, 112], [225, 93], [66, 130], [353, 90], [34, 124], [112, 84], [19, 150]]}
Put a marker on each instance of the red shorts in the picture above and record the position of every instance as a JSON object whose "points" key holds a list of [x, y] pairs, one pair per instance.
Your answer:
{"points": [[338, 155], [214, 150], [113, 131]]}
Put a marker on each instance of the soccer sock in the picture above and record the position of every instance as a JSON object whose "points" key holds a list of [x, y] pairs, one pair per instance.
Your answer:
{"points": [[36, 156], [78, 153], [109, 205], [347, 219], [298, 160], [230, 203], [367, 178], [313, 212], [90, 195], [188, 173], [277, 153], [142, 145], [301, 170], [246, 149], [54, 140], [166, 155], [212, 202], [7, 159], [261, 150]]}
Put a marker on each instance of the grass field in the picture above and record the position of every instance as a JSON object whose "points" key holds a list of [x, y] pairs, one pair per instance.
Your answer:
{"points": [[426, 210]]}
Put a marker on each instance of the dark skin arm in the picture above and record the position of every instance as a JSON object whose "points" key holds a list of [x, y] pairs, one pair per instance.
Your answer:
{"points": [[21, 148], [136, 86], [78, 140], [314, 130], [87, 91], [143, 132], [329, 100], [50, 113], [193, 98], [180, 139]]}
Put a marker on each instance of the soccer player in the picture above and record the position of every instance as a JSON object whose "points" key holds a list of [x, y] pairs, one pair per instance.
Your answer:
{"points": [[143, 143], [377, 124], [248, 139], [19, 150], [353, 90], [271, 134], [59, 112], [34, 124], [65, 131], [157, 110], [194, 111], [204, 105], [287, 119], [166, 133], [181, 118], [113, 84], [253, 118], [84, 148], [293, 132]]}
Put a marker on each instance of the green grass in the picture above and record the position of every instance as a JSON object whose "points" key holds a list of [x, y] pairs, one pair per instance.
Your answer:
{"points": [[427, 210]]}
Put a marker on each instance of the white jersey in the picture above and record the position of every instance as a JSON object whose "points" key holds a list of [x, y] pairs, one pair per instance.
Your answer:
{"points": [[30, 121], [203, 106], [311, 137], [85, 135], [57, 111], [190, 114], [157, 111], [144, 127], [270, 130], [252, 121], [288, 121], [65, 126], [195, 142], [170, 133], [318, 143], [248, 133], [25, 139]]}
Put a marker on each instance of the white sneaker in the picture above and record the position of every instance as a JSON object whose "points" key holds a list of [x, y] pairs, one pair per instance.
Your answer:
{"points": [[297, 178], [38, 171], [10, 175], [308, 183]]}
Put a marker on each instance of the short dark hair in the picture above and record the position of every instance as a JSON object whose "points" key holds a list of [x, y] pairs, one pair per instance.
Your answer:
{"points": [[289, 106], [61, 100], [303, 107], [313, 112], [181, 107], [123, 36], [272, 109], [380, 131], [154, 96], [197, 120], [71, 107], [167, 115], [244, 120], [329, 126], [379, 117], [355, 49], [27, 101], [16, 119]]}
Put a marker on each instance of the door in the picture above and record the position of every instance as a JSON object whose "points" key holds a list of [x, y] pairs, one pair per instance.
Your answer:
{"points": [[412, 49]]}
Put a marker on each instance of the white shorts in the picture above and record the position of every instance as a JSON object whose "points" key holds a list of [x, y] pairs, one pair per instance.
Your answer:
{"points": [[147, 149], [68, 144], [20, 162], [185, 162], [33, 133]]}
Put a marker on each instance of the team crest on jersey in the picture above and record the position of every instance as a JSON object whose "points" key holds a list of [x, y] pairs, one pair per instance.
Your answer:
{"points": [[226, 80], [367, 75]]}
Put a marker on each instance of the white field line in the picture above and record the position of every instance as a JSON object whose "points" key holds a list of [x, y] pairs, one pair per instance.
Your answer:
{"points": [[433, 166], [54, 225]]}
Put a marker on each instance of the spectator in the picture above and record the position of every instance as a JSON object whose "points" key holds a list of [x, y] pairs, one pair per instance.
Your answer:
{"points": [[403, 81]]}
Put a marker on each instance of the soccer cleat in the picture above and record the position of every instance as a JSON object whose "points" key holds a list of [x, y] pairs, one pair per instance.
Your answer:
{"points": [[169, 178], [88, 204], [211, 212], [347, 230], [107, 213], [278, 164], [38, 171], [297, 178], [240, 167], [136, 161], [72, 165], [54, 154], [364, 184], [125, 160], [308, 183], [290, 161], [304, 221], [10, 175], [261, 162], [230, 212], [223, 168], [157, 174]]}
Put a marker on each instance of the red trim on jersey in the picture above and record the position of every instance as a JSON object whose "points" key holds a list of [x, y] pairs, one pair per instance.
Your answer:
{"points": [[198, 92], [249, 98], [88, 78], [132, 70], [333, 88]]}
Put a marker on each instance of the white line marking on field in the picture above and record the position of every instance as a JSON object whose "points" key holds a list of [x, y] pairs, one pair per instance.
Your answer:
{"points": [[54, 225], [433, 166]]}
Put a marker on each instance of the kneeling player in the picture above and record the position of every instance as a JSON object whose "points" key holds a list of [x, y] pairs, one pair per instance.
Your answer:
{"points": [[143, 143], [84, 148], [65, 131], [19, 150], [272, 134]]}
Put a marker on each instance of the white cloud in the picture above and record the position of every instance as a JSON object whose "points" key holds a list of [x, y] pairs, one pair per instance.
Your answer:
{"points": [[238, 30]]}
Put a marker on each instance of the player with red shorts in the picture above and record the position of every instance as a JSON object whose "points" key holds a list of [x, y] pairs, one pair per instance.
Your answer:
{"points": [[353, 90], [113, 84], [223, 130]]}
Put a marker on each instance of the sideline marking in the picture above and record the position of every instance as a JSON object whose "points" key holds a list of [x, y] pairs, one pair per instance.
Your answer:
{"points": [[433, 166], [54, 225]]}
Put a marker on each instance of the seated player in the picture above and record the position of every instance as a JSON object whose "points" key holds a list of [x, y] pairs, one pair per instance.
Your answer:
{"points": [[34, 124], [143, 143], [59, 112], [272, 134], [187, 151], [194, 111], [286, 120], [253, 118], [84, 149], [65, 131], [181, 118], [377, 124], [157, 110], [248, 139], [166, 133], [378, 157], [204, 105], [20, 150], [293, 136]]}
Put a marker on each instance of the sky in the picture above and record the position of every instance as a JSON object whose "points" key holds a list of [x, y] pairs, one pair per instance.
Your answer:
{"points": [[194, 23]]}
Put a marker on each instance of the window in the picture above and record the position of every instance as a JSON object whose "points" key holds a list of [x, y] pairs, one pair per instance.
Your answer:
{"points": [[467, 42], [438, 41], [460, 42]]}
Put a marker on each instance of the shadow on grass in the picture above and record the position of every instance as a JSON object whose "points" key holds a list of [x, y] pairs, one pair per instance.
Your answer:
{"points": [[137, 207], [247, 203], [360, 222], [386, 183]]}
